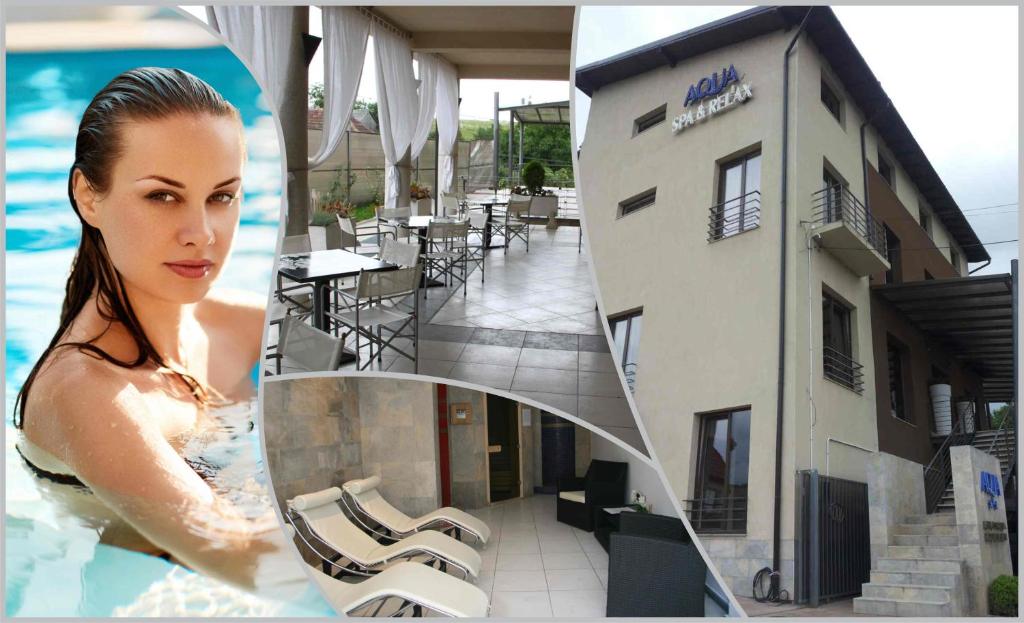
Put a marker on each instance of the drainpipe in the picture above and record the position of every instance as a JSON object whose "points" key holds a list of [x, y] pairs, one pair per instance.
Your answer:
{"points": [[777, 511]]}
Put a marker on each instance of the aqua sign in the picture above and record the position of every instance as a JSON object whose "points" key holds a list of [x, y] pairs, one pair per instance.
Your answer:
{"points": [[712, 85]]}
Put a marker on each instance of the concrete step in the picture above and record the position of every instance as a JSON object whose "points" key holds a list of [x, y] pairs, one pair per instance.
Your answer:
{"points": [[925, 539], [923, 528], [934, 519], [949, 579], [945, 507], [901, 608], [928, 552], [918, 565], [908, 592]]}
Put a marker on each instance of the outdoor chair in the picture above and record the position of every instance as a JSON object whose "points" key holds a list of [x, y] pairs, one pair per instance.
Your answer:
{"points": [[350, 230], [368, 501], [302, 348], [372, 310], [446, 252], [404, 254], [384, 215], [514, 224], [452, 206], [476, 252], [294, 296], [327, 524], [654, 570], [579, 498]]}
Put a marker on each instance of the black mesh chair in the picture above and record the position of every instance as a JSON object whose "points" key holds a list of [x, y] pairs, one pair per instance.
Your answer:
{"points": [[654, 570], [579, 498]]}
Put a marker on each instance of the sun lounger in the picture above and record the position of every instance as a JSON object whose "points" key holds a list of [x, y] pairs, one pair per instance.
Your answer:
{"points": [[328, 524], [368, 500]]}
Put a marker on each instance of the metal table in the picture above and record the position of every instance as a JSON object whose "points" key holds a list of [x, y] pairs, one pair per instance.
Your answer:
{"points": [[488, 207]]}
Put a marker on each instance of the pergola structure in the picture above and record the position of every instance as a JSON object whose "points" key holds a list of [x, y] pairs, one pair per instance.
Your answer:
{"points": [[553, 113], [482, 42]]}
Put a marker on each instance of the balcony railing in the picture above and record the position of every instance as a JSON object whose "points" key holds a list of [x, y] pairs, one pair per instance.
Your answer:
{"points": [[629, 371], [843, 369], [717, 515], [837, 204], [734, 216]]}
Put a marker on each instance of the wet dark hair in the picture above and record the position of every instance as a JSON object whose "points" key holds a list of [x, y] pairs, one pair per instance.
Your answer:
{"points": [[142, 94]]}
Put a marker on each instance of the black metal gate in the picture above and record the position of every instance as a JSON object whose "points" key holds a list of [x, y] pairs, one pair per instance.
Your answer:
{"points": [[833, 546]]}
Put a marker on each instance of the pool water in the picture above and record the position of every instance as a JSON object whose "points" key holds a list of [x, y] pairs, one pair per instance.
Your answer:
{"points": [[46, 547]]}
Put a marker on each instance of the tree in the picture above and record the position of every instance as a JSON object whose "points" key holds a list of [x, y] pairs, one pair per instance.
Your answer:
{"points": [[1000, 414]]}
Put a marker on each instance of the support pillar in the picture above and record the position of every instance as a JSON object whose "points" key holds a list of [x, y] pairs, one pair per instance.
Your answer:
{"points": [[294, 125]]}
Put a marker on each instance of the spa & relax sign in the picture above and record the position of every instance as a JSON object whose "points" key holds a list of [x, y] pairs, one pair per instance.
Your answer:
{"points": [[710, 96]]}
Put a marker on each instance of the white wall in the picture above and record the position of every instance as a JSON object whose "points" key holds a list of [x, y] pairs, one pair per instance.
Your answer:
{"points": [[642, 476]]}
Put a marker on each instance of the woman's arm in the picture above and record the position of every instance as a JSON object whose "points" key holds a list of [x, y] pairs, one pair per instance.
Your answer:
{"points": [[105, 431]]}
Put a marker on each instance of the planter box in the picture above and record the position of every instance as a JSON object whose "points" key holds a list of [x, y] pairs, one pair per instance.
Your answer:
{"points": [[329, 237], [544, 206], [423, 207]]}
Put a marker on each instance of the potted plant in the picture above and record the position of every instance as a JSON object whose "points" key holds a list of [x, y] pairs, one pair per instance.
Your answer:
{"points": [[421, 199], [324, 231], [545, 202]]}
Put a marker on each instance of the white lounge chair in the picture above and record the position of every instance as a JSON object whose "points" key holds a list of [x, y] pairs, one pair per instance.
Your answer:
{"points": [[328, 524], [417, 586], [368, 500]]}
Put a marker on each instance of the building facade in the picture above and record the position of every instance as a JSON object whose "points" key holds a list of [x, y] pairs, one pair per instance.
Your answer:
{"points": [[753, 204]]}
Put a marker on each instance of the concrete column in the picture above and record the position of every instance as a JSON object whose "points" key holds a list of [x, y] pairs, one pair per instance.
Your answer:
{"points": [[895, 492], [981, 525], [294, 125]]}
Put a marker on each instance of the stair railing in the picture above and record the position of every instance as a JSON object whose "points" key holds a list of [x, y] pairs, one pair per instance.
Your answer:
{"points": [[939, 471], [1001, 444]]}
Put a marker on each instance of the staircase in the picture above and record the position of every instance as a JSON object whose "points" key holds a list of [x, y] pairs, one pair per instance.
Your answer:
{"points": [[920, 575], [1003, 450]]}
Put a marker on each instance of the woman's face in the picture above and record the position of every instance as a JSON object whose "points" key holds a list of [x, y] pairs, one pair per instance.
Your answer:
{"points": [[172, 208]]}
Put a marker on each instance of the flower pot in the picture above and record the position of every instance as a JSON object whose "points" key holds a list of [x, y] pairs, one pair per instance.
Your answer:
{"points": [[423, 207]]}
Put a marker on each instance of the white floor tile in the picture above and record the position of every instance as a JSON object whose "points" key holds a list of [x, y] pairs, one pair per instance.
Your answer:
{"points": [[583, 603], [521, 581], [520, 604], [572, 579]]}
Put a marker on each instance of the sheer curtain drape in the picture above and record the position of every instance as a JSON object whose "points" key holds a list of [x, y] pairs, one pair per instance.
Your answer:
{"points": [[428, 64], [447, 122], [397, 103], [345, 33], [262, 35]]}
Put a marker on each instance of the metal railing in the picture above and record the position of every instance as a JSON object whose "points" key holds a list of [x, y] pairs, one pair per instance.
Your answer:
{"points": [[842, 369], [939, 471], [837, 204], [717, 515], [734, 216], [1002, 446], [629, 370]]}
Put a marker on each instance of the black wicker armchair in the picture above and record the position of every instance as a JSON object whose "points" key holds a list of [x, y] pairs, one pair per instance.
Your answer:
{"points": [[654, 570], [579, 498]]}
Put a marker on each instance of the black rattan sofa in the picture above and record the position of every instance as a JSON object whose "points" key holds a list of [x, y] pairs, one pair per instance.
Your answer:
{"points": [[604, 485], [654, 570]]}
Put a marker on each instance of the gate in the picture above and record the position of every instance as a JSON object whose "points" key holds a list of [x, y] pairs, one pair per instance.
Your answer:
{"points": [[833, 546]]}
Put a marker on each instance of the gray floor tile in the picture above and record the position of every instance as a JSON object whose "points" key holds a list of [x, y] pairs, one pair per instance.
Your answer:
{"points": [[490, 353], [545, 358], [553, 341], [498, 337], [542, 380], [445, 333], [437, 349], [597, 362], [601, 384], [606, 411], [498, 377], [563, 402], [427, 367], [594, 343]]}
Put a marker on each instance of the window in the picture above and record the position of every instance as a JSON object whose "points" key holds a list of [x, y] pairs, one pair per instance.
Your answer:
{"points": [[739, 197], [831, 101], [886, 171], [837, 343], [832, 206], [649, 120], [637, 202], [954, 259], [626, 330], [892, 245], [925, 218], [897, 354], [723, 464]]}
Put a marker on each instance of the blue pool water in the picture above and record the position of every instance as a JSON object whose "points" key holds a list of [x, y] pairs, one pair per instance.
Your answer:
{"points": [[45, 547]]}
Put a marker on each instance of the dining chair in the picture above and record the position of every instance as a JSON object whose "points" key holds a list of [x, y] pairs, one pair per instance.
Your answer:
{"points": [[514, 225], [446, 252], [302, 348]]}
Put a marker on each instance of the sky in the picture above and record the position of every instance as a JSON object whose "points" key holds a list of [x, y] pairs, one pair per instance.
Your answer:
{"points": [[953, 77]]}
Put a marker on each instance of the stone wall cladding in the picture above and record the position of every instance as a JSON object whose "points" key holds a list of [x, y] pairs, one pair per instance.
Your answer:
{"points": [[738, 559], [467, 445]]}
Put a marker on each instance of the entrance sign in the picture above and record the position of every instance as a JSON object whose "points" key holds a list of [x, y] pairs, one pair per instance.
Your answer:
{"points": [[712, 95]]}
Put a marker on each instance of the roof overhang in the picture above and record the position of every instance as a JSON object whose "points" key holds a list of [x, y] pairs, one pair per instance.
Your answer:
{"points": [[835, 45], [553, 113], [491, 42], [971, 316]]}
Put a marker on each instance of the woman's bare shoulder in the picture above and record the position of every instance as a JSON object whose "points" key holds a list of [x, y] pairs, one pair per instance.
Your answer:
{"points": [[232, 308]]}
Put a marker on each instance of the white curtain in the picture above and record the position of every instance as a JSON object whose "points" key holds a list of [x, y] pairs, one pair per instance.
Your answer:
{"points": [[447, 122], [428, 66], [345, 32], [262, 35], [397, 104]]}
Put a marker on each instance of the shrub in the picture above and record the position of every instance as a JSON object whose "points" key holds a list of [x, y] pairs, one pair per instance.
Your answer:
{"points": [[1002, 596], [533, 177]]}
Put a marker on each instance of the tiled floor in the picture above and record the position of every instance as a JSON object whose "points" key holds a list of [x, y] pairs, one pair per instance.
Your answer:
{"points": [[537, 567]]}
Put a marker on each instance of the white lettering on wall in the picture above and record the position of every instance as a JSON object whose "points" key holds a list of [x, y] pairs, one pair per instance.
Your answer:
{"points": [[724, 102]]}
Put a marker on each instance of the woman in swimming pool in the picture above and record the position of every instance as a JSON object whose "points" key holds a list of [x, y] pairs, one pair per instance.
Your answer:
{"points": [[144, 347]]}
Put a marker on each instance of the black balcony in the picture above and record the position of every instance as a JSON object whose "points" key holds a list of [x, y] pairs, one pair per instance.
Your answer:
{"points": [[717, 515], [849, 232], [734, 216], [843, 369]]}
